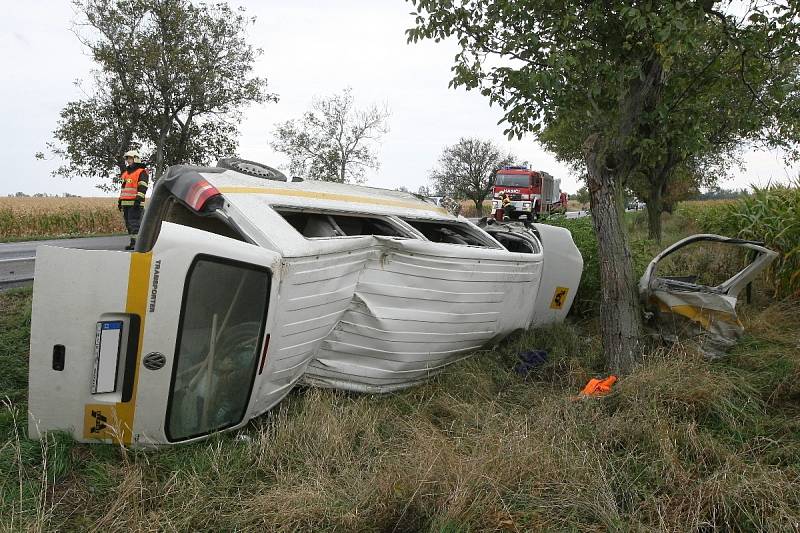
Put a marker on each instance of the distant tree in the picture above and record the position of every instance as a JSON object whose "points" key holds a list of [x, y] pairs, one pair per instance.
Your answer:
{"points": [[719, 193], [582, 195], [424, 190], [466, 170], [172, 78], [333, 141], [402, 188]]}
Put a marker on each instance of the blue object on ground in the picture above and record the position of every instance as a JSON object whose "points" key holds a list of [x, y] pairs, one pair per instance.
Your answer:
{"points": [[530, 360]]}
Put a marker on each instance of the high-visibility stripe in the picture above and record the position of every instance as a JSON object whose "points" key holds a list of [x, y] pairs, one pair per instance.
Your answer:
{"points": [[329, 196], [130, 182], [138, 283]]}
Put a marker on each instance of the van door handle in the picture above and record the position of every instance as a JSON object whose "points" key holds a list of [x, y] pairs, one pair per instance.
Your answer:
{"points": [[58, 357], [129, 374]]}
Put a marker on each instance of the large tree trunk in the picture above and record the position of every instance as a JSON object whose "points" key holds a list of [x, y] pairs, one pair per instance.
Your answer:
{"points": [[121, 148], [655, 207], [180, 156], [166, 122], [619, 303], [658, 188]]}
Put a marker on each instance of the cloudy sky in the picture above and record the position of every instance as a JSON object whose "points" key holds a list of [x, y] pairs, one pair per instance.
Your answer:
{"points": [[310, 48]]}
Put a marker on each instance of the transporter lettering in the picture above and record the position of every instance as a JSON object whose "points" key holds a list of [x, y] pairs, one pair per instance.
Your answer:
{"points": [[154, 290]]}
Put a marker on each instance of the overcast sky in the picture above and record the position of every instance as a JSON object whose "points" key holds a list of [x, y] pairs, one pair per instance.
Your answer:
{"points": [[310, 48]]}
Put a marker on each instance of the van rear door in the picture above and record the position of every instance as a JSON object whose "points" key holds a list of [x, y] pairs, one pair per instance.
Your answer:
{"points": [[148, 348]]}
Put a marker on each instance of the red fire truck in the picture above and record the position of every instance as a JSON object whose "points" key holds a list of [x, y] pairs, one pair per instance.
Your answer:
{"points": [[532, 192]]}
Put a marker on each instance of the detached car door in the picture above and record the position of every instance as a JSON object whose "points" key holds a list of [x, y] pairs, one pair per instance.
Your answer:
{"points": [[149, 348]]}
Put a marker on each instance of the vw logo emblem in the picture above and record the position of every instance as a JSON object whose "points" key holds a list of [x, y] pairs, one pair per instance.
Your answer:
{"points": [[154, 361]]}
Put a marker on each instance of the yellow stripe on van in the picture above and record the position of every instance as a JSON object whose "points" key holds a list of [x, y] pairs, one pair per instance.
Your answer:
{"points": [[115, 421], [318, 195], [704, 317], [138, 285]]}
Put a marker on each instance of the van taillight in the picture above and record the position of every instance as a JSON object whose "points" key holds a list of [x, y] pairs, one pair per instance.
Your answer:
{"points": [[200, 193]]}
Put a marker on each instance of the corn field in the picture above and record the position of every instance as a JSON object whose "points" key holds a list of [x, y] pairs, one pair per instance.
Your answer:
{"points": [[23, 218], [770, 215], [773, 215]]}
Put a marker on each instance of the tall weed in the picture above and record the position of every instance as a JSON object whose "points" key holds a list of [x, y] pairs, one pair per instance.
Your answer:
{"points": [[771, 215]]}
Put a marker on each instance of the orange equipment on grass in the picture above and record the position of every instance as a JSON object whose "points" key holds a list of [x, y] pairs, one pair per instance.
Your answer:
{"points": [[598, 387]]}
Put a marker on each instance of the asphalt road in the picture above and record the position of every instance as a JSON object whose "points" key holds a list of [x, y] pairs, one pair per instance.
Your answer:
{"points": [[577, 214], [17, 258]]}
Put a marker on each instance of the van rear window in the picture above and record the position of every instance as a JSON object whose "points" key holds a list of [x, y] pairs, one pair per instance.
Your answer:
{"points": [[220, 334]]}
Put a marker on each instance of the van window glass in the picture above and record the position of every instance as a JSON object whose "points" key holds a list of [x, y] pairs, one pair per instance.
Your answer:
{"points": [[220, 335], [179, 214], [449, 232], [316, 224], [514, 242]]}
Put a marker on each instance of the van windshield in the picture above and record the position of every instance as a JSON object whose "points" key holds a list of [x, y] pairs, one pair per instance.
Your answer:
{"points": [[512, 180]]}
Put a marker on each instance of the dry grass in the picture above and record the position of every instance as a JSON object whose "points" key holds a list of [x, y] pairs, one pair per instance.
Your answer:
{"points": [[575, 205], [680, 445], [468, 208], [24, 218]]}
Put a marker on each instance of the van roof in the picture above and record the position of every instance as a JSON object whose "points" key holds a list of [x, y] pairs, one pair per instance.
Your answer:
{"points": [[324, 195]]}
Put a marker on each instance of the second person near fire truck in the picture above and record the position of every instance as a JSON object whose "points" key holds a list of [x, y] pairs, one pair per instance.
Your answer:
{"points": [[135, 181]]}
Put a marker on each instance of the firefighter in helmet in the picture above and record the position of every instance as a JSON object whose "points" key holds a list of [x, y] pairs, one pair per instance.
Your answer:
{"points": [[508, 207], [131, 198]]}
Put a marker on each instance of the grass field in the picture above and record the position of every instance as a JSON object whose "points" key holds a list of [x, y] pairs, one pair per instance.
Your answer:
{"points": [[32, 218], [681, 444]]}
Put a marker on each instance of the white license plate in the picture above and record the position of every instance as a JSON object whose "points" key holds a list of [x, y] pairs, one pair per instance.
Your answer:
{"points": [[107, 342]]}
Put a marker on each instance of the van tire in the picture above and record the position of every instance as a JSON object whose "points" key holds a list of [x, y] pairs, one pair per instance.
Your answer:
{"points": [[252, 168]]}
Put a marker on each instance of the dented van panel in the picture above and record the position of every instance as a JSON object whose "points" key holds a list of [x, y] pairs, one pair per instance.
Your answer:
{"points": [[241, 288], [682, 309]]}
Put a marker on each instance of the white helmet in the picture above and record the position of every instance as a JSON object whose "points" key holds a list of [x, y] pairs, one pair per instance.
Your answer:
{"points": [[134, 154]]}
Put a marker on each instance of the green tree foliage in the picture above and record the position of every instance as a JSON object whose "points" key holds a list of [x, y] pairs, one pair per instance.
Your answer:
{"points": [[333, 141], [171, 78], [466, 170], [582, 195], [633, 90]]}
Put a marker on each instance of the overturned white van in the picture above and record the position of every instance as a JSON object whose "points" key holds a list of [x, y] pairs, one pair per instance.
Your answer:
{"points": [[244, 285]]}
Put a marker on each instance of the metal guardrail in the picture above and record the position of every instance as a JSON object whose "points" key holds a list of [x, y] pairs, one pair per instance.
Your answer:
{"points": [[16, 282]]}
